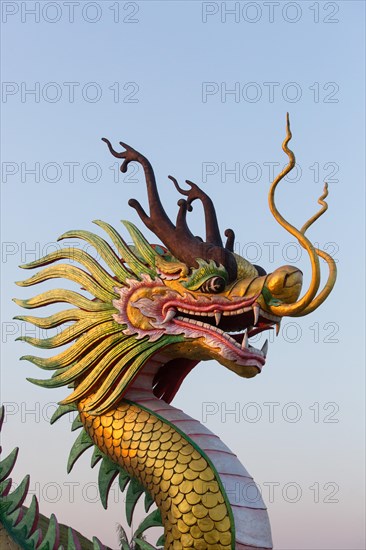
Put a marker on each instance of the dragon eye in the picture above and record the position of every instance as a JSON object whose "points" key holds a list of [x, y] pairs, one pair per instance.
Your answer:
{"points": [[213, 285]]}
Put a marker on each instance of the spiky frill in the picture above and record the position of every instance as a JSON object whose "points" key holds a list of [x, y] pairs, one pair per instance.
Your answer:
{"points": [[101, 358]]}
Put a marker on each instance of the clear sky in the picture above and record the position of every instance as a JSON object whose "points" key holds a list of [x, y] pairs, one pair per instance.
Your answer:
{"points": [[202, 89]]}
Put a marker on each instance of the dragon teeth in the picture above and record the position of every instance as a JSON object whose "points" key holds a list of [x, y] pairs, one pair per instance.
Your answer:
{"points": [[278, 326], [264, 349], [256, 310], [169, 316], [217, 317], [244, 343]]}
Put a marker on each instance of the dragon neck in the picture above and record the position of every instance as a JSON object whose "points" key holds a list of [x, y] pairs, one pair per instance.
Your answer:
{"points": [[204, 494]]}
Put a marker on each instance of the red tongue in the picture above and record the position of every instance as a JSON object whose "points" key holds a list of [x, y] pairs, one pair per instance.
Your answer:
{"points": [[260, 327]]}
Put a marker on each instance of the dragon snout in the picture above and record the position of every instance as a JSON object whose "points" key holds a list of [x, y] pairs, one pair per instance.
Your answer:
{"points": [[285, 283]]}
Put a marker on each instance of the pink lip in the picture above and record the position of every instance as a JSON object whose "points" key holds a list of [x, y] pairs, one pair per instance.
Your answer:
{"points": [[244, 353]]}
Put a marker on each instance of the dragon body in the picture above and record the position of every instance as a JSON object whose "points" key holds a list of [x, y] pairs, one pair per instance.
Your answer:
{"points": [[152, 314]]}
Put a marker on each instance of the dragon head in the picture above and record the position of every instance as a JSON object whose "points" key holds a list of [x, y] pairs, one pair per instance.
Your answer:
{"points": [[194, 299]]}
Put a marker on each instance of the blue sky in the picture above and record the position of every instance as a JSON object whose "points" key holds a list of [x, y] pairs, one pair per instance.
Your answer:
{"points": [[203, 93]]}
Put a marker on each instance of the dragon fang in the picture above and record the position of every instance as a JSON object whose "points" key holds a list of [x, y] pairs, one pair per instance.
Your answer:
{"points": [[156, 311]]}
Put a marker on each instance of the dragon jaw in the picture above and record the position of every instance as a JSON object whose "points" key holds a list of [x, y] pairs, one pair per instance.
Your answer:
{"points": [[214, 326]]}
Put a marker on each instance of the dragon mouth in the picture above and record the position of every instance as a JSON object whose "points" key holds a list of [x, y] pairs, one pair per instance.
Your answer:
{"points": [[224, 325], [231, 325]]}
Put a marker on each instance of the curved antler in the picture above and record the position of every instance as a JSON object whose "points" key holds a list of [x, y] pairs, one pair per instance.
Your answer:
{"points": [[230, 239], [156, 208], [305, 301], [194, 193], [178, 239]]}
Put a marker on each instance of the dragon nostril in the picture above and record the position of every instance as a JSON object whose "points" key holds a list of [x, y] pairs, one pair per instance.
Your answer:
{"points": [[285, 283], [292, 279]]}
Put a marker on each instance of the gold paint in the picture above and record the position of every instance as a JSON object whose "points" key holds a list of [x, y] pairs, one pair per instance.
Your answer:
{"points": [[99, 432], [184, 507], [164, 485], [147, 428], [126, 435], [180, 468], [143, 416], [166, 428], [171, 456], [107, 433], [184, 459], [196, 532], [175, 512], [210, 500], [212, 537], [165, 504], [200, 544], [206, 524], [162, 454], [143, 445], [132, 415], [190, 475], [108, 443], [178, 478], [186, 486], [224, 525], [218, 513], [117, 434], [199, 487], [138, 427], [207, 475], [187, 540], [200, 511], [173, 490], [193, 498], [155, 436], [149, 463], [187, 450], [189, 519], [178, 499], [225, 539], [106, 421], [198, 465], [117, 452], [153, 454], [177, 545]]}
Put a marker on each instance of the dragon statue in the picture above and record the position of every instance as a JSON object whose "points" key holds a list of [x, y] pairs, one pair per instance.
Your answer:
{"points": [[156, 311]]}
